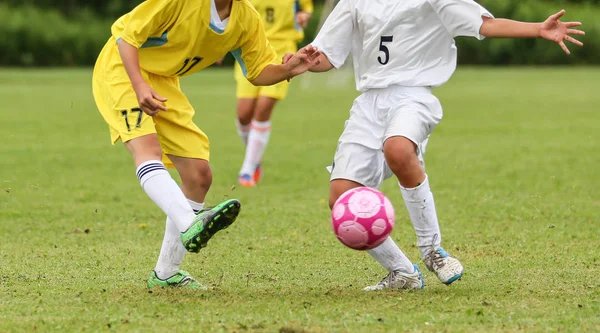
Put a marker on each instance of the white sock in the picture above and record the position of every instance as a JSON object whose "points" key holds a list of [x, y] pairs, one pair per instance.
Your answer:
{"points": [[243, 131], [389, 255], [164, 191], [421, 208], [258, 138], [172, 250]]}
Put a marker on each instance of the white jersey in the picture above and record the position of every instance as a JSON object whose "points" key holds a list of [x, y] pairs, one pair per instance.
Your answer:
{"points": [[399, 42]]}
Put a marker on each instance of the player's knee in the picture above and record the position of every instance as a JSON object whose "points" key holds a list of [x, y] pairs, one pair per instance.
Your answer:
{"points": [[245, 110], [199, 178], [400, 154]]}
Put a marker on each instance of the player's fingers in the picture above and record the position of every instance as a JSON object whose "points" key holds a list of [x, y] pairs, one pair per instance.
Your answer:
{"points": [[315, 55], [154, 105], [573, 40], [564, 47], [158, 97], [301, 56], [309, 49], [147, 110], [557, 15], [572, 24], [287, 57], [575, 32]]}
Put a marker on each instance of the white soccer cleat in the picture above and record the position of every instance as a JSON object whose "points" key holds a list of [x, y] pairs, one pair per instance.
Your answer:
{"points": [[400, 280], [447, 268]]}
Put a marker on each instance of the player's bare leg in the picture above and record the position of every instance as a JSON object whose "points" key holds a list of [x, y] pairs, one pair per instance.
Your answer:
{"points": [[402, 273], [196, 178], [260, 131], [401, 156]]}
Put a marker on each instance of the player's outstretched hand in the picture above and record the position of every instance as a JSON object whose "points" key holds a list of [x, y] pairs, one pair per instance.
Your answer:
{"points": [[554, 30], [150, 101], [305, 59]]}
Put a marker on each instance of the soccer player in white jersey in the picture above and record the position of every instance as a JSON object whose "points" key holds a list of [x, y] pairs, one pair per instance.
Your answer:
{"points": [[401, 50]]}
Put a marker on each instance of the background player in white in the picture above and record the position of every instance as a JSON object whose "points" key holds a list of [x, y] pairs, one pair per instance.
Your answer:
{"points": [[401, 49]]}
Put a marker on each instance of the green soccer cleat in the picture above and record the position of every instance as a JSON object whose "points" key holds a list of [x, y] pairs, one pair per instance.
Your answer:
{"points": [[208, 222], [181, 279]]}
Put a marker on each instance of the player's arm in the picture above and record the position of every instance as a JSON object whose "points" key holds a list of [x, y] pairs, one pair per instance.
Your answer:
{"points": [[259, 62], [148, 99], [552, 29], [150, 18], [305, 59]]}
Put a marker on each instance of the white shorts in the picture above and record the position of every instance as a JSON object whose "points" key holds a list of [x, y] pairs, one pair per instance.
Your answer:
{"points": [[379, 114]]}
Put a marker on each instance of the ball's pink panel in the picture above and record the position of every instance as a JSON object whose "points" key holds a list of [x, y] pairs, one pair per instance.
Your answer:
{"points": [[352, 234]]}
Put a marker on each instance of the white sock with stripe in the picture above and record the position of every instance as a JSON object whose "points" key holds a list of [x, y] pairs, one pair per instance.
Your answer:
{"points": [[260, 131], [172, 250], [164, 191], [389, 255], [243, 131]]}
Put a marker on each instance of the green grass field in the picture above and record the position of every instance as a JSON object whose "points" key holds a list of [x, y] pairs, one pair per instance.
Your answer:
{"points": [[514, 167]]}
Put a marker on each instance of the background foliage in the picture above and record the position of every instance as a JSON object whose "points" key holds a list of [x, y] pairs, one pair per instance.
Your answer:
{"points": [[72, 32]]}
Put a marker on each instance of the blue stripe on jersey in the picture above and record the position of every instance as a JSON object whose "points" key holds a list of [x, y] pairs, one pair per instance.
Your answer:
{"points": [[237, 54], [156, 41], [215, 28]]}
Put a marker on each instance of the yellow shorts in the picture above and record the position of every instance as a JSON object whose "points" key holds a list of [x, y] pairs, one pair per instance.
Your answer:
{"points": [[245, 89], [117, 102]]}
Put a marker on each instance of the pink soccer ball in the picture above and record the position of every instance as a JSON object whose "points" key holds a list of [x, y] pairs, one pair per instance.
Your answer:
{"points": [[362, 218]]}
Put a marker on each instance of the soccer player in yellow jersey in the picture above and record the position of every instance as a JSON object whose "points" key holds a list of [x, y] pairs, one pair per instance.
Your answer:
{"points": [[136, 88], [284, 22]]}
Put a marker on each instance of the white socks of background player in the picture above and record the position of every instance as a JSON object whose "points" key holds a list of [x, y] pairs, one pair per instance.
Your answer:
{"points": [[164, 191], [260, 131], [389, 255], [421, 208], [172, 250], [243, 131]]}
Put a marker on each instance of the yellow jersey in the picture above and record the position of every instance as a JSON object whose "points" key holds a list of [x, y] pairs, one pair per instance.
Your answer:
{"points": [[177, 38], [279, 18]]}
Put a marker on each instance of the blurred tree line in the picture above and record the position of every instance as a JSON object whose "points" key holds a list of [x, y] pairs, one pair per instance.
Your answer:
{"points": [[72, 32]]}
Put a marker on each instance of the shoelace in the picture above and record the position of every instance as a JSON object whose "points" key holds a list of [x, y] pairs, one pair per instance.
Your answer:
{"points": [[436, 257], [388, 278]]}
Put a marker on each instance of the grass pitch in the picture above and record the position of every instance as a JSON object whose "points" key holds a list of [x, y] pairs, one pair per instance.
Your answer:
{"points": [[514, 168]]}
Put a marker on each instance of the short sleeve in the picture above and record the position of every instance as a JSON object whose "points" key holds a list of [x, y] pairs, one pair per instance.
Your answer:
{"points": [[334, 38], [461, 17], [255, 52], [152, 18], [306, 6]]}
